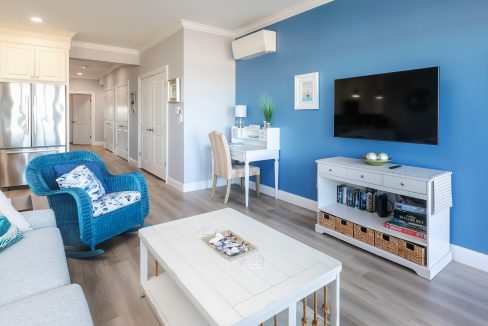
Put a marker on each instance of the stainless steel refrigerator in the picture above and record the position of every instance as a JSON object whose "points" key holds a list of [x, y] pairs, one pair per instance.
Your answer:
{"points": [[32, 123]]}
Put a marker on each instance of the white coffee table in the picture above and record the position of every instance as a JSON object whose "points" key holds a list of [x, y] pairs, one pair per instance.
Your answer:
{"points": [[200, 287]]}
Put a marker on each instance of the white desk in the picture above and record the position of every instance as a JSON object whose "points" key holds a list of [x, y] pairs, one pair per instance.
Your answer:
{"points": [[200, 287], [251, 144], [249, 153]]}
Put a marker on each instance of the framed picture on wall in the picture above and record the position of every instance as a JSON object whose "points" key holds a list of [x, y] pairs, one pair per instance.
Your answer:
{"points": [[307, 91], [174, 90]]}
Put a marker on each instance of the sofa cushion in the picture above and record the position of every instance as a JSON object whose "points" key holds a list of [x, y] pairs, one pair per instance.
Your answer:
{"points": [[81, 177], [9, 234], [34, 265], [65, 305], [40, 218], [113, 201]]}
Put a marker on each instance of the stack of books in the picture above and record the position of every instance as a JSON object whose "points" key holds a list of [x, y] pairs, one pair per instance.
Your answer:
{"points": [[409, 219], [357, 198]]}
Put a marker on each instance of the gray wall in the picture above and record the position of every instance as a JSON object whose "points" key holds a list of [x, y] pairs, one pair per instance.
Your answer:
{"points": [[209, 85], [207, 70], [91, 86]]}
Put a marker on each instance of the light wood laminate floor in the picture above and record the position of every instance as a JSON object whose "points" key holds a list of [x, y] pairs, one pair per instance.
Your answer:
{"points": [[374, 291]]}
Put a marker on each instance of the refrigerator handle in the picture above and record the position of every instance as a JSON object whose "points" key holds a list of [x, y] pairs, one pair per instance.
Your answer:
{"points": [[34, 114], [28, 104]]}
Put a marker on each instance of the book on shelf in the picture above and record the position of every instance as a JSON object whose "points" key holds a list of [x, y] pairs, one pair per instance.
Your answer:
{"points": [[410, 217], [411, 207], [357, 198], [401, 226]]}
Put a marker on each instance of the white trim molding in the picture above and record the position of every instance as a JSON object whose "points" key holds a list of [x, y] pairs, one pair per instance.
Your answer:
{"points": [[280, 15], [175, 184], [186, 24], [133, 162], [103, 47], [99, 143], [470, 257]]}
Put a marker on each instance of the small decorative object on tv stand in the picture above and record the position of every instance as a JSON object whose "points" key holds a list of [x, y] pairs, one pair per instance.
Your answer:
{"points": [[427, 257]]}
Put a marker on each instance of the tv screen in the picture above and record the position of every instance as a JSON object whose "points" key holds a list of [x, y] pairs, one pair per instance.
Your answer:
{"points": [[399, 106]]}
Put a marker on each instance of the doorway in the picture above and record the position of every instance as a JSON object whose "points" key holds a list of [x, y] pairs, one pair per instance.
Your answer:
{"points": [[153, 120], [82, 107]]}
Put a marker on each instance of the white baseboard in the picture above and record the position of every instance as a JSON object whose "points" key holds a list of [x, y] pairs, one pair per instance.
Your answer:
{"points": [[99, 143], [287, 196], [133, 162], [175, 184], [470, 257]]}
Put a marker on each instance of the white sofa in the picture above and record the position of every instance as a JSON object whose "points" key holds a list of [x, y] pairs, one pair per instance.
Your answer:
{"points": [[34, 279]]}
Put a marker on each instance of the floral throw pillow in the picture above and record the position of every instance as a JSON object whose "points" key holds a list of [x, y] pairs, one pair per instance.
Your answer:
{"points": [[83, 178], [9, 234]]}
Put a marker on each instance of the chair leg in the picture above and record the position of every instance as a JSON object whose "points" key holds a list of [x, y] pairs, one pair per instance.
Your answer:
{"points": [[227, 192], [214, 185], [258, 186], [137, 228], [82, 254]]}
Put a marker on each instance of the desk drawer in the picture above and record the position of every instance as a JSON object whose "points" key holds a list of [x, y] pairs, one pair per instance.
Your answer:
{"points": [[364, 176], [332, 170], [419, 187]]}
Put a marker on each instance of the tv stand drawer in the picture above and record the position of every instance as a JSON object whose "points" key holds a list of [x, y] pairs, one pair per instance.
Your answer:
{"points": [[364, 176], [406, 184], [332, 170]]}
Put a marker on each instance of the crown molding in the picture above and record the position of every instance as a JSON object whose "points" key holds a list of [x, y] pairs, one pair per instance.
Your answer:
{"points": [[186, 24], [102, 47], [158, 39], [279, 16], [36, 30]]}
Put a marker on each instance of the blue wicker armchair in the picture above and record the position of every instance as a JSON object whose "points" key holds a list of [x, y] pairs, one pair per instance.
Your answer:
{"points": [[73, 207]]}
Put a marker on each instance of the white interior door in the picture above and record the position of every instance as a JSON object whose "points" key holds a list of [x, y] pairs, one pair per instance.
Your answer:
{"points": [[122, 121], [153, 130], [81, 122], [108, 114]]}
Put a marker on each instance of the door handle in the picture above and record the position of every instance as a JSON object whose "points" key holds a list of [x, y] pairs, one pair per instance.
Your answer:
{"points": [[28, 103], [34, 115]]}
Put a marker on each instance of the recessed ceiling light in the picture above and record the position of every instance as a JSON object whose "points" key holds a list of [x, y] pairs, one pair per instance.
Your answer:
{"points": [[79, 73], [84, 67], [36, 19]]}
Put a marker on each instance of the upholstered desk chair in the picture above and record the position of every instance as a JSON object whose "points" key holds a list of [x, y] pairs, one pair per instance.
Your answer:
{"points": [[73, 207], [222, 164]]}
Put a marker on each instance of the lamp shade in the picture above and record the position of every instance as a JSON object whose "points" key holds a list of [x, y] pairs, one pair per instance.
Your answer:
{"points": [[241, 111]]}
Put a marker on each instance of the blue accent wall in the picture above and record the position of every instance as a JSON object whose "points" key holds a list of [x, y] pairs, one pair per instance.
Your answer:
{"points": [[355, 37]]}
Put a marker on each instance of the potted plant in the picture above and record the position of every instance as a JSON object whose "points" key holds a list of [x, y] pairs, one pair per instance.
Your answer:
{"points": [[267, 105]]}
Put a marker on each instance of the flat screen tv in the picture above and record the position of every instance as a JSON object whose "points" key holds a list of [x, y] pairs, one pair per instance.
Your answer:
{"points": [[399, 106]]}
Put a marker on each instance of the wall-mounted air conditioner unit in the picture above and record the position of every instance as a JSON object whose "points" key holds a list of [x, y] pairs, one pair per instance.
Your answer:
{"points": [[255, 44]]}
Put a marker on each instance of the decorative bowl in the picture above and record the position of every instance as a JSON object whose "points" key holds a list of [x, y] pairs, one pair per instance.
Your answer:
{"points": [[375, 162]]}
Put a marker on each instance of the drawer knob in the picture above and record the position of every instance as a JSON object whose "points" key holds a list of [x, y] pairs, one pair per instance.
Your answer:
{"points": [[330, 170], [362, 176], [402, 184]]}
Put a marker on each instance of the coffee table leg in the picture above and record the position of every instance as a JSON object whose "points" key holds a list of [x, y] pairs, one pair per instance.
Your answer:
{"points": [[334, 304], [143, 264], [292, 315]]}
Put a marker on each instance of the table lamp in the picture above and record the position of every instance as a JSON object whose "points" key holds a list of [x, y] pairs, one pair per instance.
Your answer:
{"points": [[240, 112]]}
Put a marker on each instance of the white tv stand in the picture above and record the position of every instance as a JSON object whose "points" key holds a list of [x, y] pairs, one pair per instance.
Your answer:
{"points": [[433, 186]]}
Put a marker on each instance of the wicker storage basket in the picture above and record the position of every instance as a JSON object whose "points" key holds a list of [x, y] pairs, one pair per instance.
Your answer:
{"points": [[412, 252], [327, 220], [364, 234], [386, 242], [345, 227]]}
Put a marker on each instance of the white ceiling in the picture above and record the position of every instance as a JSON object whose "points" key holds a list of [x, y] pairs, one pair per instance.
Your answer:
{"points": [[93, 69], [135, 23]]}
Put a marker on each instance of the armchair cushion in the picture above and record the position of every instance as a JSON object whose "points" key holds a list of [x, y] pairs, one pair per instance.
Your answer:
{"points": [[115, 200], [81, 177], [95, 167]]}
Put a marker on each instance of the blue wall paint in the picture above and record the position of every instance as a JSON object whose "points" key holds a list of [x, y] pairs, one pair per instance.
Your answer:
{"points": [[356, 37]]}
